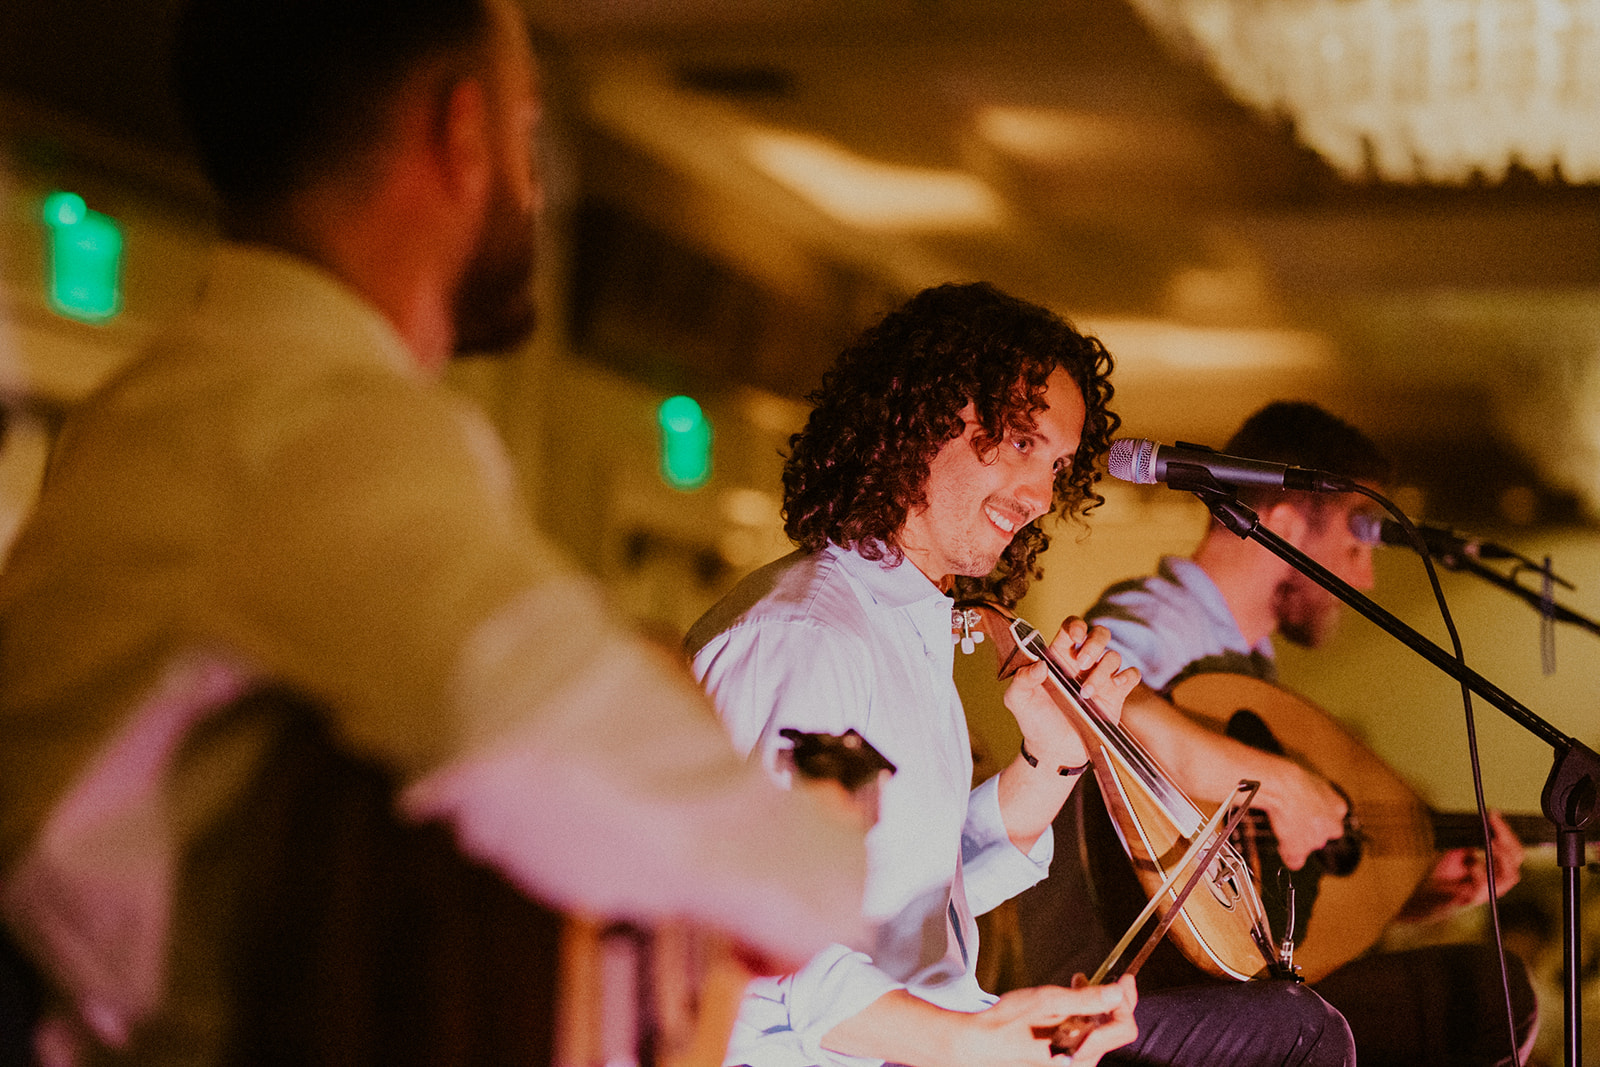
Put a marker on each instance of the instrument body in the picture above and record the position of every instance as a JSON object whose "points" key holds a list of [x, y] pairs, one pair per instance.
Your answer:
{"points": [[1396, 837], [1222, 927]]}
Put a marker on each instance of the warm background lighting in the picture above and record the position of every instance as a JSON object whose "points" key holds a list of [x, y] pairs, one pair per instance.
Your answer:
{"points": [[1413, 90], [869, 193]]}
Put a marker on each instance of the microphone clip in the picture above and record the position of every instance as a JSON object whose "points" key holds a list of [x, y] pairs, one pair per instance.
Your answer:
{"points": [[1193, 477]]}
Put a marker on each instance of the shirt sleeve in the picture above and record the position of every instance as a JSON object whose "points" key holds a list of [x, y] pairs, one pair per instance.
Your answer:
{"points": [[764, 677], [768, 675], [383, 562], [1126, 612], [993, 869], [834, 986]]}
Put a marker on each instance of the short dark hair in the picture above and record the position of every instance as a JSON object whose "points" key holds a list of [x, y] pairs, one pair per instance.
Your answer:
{"points": [[894, 397], [1302, 434], [277, 93]]}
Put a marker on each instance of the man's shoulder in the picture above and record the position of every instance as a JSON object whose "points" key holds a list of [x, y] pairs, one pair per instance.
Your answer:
{"points": [[266, 315], [1169, 590], [802, 589], [257, 417]]}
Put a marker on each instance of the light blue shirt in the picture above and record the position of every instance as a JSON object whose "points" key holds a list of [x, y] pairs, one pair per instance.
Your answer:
{"points": [[828, 642], [1175, 623]]}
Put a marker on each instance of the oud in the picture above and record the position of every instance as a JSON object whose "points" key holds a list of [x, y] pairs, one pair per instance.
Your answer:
{"points": [[1353, 888], [1221, 926]]}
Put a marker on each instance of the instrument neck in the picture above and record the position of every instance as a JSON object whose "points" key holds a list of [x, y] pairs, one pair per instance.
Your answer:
{"points": [[1122, 746]]}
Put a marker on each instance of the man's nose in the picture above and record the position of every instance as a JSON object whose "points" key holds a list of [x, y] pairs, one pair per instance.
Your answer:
{"points": [[1363, 578], [1036, 493]]}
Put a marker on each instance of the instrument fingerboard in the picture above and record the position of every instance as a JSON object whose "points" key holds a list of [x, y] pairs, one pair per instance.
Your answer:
{"points": [[1132, 753]]}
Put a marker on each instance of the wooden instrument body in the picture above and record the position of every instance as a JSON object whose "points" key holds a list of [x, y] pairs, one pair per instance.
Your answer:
{"points": [[1396, 828], [1222, 927]]}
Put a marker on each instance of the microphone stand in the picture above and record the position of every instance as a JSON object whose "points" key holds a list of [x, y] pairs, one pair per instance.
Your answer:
{"points": [[1569, 799]]}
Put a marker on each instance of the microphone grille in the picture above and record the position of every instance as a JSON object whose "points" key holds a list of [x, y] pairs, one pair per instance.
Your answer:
{"points": [[1131, 460]]}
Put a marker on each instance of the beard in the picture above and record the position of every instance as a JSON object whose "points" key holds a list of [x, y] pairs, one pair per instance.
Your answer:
{"points": [[1307, 614], [974, 563], [494, 309]]}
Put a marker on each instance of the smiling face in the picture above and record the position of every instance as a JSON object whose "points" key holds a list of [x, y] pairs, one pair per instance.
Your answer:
{"points": [[977, 501]]}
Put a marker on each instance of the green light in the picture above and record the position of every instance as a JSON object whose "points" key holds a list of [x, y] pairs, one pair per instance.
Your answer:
{"points": [[64, 209], [685, 443], [85, 259]]}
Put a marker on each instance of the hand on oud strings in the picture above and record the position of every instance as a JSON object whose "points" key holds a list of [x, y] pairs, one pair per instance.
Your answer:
{"points": [[1460, 878], [1083, 653], [1305, 810]]}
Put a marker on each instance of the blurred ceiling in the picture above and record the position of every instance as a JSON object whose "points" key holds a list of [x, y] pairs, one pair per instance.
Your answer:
{"points": [[743, 183]]}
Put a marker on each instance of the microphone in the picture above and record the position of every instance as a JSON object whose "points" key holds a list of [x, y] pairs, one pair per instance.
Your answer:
{"points": [[1442, 542], [1186, 466]]}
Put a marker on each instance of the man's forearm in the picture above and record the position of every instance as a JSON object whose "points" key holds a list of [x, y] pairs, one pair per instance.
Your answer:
{"points": [[1306, 811], [899, 1028], [1205, 764], [1030, 797]]}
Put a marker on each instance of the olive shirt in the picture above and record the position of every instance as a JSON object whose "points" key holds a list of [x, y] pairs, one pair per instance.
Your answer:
{"points": [[275, 495]]}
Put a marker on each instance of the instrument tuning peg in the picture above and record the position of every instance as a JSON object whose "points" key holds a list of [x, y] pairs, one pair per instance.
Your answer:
{"points": [[962, 632]]}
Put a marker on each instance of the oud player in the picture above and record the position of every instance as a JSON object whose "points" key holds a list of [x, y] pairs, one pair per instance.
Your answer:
{"points": [[1217, 612]]}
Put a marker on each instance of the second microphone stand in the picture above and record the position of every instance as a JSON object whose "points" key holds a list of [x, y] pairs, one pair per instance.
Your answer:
{"points": [[1555, 611]]}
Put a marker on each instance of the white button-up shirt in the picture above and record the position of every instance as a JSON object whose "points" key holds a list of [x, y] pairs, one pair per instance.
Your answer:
{"points": [[829, 642]]}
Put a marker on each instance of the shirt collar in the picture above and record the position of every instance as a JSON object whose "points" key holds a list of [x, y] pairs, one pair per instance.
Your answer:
{"points": [[892, 585], [255, 283], [902, 587]]}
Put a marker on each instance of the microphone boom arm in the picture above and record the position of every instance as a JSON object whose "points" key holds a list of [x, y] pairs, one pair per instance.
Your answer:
{"points": [[1244, 522], [1461, 562]]}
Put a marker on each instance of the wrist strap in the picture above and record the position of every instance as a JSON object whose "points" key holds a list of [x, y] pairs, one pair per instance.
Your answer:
{"points": [[1065, 772]]}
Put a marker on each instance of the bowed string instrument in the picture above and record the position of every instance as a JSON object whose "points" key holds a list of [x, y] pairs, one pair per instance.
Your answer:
{"points": [[1221, 926]]}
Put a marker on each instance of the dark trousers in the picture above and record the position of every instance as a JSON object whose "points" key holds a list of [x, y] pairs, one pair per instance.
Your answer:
{"points": [[1442, 1004], [21, 1001], [1237, 1024]]}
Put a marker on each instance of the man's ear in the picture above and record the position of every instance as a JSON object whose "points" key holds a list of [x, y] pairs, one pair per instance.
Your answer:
{"points": [[1288, 520], [463, 143]]}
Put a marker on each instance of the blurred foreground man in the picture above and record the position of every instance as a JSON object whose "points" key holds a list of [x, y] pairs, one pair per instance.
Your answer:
{"points": [[276, 527], [1215, 614], [939, 442]]}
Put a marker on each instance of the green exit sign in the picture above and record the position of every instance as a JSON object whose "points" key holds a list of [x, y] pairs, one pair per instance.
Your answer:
{"points": [[85, 252], [685, 443]]}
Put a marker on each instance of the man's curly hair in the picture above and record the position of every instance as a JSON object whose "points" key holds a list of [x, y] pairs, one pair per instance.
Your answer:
{"points": [[894, 397]]}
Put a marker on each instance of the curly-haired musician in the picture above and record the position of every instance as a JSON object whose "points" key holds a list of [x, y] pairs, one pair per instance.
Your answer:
{"points": [[937, 443]]}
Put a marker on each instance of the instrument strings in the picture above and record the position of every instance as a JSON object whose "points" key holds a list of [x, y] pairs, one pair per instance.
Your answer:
{"points": [[1132, 752]]}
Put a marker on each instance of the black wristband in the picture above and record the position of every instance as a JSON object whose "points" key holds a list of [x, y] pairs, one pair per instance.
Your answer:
{"points": [[1065, 772]]}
